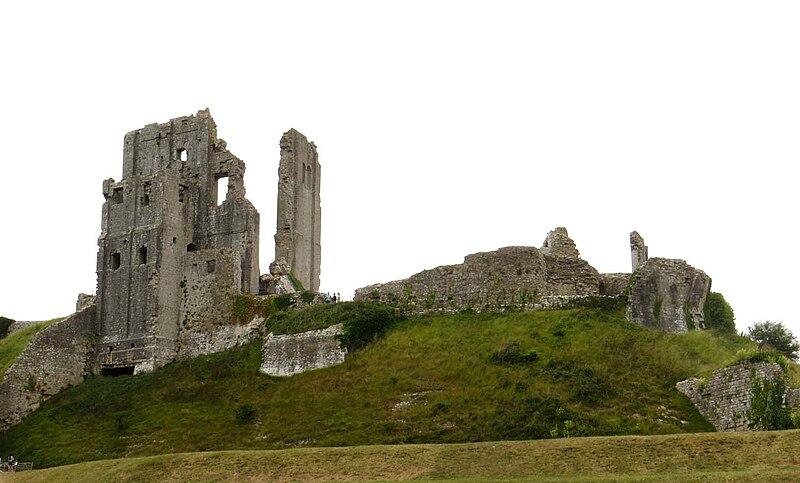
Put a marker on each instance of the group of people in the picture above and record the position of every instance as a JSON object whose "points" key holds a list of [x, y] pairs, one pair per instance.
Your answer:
{"points": [[332, 298], [10, 465]]}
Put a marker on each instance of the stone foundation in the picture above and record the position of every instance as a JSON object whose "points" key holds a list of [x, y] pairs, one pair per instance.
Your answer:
{"points": [[286, 355]]}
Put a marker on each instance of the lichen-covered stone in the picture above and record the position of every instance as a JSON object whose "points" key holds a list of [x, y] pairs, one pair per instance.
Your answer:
{"points": [[286, 355], [726, 398], [668, 295]]}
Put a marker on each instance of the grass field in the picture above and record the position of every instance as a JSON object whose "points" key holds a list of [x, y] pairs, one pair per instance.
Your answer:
{"points": [[455, 379], [733, 457]]}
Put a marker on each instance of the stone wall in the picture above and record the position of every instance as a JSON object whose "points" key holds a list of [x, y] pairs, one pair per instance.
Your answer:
{"points": [[725, 399], [668, 295], [286, 355], [57, 357], [509, 278]]}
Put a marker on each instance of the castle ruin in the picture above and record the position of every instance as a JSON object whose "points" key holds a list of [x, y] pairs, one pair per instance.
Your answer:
{"points": [[170, 244], [297, 238]]}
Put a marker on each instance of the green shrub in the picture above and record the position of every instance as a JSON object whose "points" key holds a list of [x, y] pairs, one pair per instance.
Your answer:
{"points": [[775, 335], [767, 411], [5, 323], [244, 414], [718, 314], [755, 355], [297, 284], [365, 322], [512, 353]]}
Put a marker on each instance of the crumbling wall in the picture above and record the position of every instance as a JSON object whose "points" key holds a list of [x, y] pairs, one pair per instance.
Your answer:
{"points": [[286, 355], [297, 238], [57, 357], [726, 398], [668, 295], [614, 284], [510, 278]]}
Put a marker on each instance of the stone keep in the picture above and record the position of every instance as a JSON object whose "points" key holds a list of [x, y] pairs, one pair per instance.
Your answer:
{"points": [[168, 239], [297, 238]]}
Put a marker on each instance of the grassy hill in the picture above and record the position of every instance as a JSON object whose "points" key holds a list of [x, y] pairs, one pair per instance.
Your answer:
{"points": [[455, 379], [734, 457]]}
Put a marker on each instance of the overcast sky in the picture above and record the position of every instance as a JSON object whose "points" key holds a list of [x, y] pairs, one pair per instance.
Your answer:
{"points": [[443, 129]]}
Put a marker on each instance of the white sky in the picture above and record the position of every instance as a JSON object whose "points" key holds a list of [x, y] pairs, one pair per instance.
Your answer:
{"points": [[443, 128]]}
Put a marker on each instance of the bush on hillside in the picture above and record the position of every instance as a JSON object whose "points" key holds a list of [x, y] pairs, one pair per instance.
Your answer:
{"points": [[362, 322], [5, 323], [365, 322], [719, 314], [776, 336]]}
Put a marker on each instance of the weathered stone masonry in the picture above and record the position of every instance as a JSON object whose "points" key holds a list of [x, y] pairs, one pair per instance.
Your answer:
{"points": [[297, 238], [169, 248], [511, 277], [55, 358], [726, 398]]}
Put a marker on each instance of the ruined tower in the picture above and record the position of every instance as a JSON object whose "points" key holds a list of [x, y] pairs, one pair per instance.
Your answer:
{"points": [[170, 245], [297, 238], [638, 251]]}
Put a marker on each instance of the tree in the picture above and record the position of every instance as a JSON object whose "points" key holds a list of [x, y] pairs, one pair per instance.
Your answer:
{"points": [[5, 323], [719, 314], [776, 336]]}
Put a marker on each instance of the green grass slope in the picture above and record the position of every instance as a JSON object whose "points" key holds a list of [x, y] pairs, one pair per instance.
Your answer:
{"points": [[734, 457], [463, 378]]}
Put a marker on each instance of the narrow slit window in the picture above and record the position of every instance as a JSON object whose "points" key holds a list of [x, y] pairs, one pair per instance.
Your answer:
{"points": [[146, 194], [142, 255], [181, 193]]}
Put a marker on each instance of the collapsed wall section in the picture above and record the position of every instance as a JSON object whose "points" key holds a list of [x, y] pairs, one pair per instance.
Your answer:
{"points": [[726, 399], [297, 237]]}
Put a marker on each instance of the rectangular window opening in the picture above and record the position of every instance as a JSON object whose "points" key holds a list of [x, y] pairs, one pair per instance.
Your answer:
{"points": [[142, 255], [211, 266], [181, 191], [116, 196], [222, 190], [115, 260], [183, 154]]}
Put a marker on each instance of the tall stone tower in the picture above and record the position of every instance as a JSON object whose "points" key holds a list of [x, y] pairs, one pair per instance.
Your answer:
{"points": [[297, 238], [170, 250]]}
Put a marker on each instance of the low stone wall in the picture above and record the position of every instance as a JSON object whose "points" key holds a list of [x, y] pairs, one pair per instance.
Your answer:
{"points": [[217, 339], [286, 355], [725, 400], [57, 357]]}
